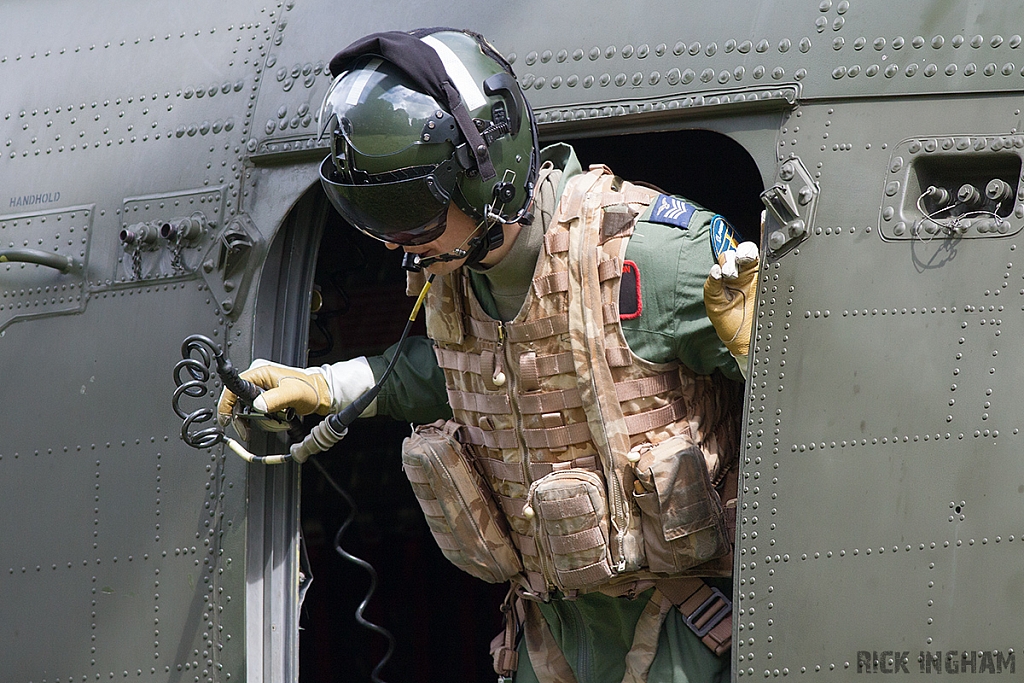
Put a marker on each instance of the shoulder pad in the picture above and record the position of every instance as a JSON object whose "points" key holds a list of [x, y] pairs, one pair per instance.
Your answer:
{"points": [[669, 210]]}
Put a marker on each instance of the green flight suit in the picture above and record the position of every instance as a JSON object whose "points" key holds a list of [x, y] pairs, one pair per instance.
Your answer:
{"points": [[595, 631]]}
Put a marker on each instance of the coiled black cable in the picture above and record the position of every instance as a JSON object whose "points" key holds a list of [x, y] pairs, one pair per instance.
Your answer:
{"points": [[359, 562], [198, 369]]}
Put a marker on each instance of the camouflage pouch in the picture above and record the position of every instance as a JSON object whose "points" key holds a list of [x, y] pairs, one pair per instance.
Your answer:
{"points": [[571, 525], [682, 518], [460, 511]]}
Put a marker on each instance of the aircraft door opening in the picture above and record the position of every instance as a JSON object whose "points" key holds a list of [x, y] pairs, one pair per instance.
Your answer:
{"points": [[442, 619]]}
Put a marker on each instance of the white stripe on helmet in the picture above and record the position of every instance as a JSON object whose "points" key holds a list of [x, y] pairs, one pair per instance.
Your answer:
{"points": [[355, 92], [457, 71]]}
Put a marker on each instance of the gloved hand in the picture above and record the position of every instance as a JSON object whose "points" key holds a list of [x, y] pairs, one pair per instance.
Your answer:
{"points": [[321, 390], [729, 294]]}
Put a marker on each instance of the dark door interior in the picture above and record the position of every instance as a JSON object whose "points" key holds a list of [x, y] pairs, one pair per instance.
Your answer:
{"points": [[442, 619]]}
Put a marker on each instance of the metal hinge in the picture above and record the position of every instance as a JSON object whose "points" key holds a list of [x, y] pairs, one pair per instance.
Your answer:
{"points": [[791, 205]]}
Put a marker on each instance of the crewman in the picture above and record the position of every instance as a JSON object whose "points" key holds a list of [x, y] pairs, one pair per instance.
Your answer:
{"points": [[575, 363]]}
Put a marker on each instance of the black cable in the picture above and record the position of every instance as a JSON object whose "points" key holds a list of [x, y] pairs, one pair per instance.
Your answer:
{"points": [[198, 369], [359, 562], [340, 421]]}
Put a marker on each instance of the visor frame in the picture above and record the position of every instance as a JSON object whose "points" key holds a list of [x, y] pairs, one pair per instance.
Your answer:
{"points": [[374, 208]]}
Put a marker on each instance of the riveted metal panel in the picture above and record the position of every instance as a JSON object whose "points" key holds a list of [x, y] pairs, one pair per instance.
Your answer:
{"points": [[169, 252], [31, 290], [829, 49], [113, 527], [880, 470]]}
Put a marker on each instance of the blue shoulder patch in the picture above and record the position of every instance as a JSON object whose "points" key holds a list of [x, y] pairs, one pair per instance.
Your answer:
{"points": [[723, 236], [669, 210]]}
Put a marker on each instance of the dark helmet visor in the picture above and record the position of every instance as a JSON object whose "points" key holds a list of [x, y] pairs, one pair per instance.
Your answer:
{"points": [[407, 211]]}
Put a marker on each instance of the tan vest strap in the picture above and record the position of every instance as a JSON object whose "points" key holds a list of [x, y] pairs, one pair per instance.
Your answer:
{"points": [[618, 356], [707, 611], [589, 575], [533, 367], [415, 474], [633, 195], [548, 662], [484, 329], [460, 361], [549, 401], [646, 386], [542, 469], [538, 329], [579, 541], [639, 195], [556, 242], [431, 508], [496, 438], [606, 270], [551, 283], [566, 507], [653, 419], [610, 313], [491, 404], [500, 469], [529, 377], [645, 639], [537, 585], [503, 647], [513, 507], [554, 364], [556, 437], [527, 544], [611, 199]]}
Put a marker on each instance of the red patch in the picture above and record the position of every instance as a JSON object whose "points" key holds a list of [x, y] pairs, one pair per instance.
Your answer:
{"points": [[630, 302]]}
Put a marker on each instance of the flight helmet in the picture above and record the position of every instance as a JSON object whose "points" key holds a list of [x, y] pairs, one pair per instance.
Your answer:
{"points": [[421, 119]]}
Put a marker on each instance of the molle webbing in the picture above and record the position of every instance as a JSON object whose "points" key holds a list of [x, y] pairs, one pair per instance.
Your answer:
{"points": [[516, 386]]}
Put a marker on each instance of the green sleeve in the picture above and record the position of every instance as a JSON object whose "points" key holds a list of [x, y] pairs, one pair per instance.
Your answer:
{"points": [[673, 323], [415, 392]]}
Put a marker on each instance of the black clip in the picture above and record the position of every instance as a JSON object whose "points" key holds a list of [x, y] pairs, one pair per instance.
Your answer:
{"points": [[714, 618]]}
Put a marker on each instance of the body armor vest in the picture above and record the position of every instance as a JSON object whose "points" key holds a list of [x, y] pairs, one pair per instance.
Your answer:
{"points": [[557, 388]]}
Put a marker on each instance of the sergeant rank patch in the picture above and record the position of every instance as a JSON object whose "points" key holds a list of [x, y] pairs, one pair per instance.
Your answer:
{"points": [[669, 210]]}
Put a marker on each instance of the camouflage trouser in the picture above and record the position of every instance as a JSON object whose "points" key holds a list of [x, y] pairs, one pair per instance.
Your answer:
{"points": [[595, 632]]}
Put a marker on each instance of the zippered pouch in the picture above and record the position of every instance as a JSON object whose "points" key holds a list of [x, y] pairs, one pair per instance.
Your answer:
{"points": [[682, 518], [572, 523], [462, 515]]}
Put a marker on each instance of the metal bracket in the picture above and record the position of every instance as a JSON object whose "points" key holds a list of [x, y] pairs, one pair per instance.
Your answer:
{"points": [[227, 266], [791, 204], [166, 235]]}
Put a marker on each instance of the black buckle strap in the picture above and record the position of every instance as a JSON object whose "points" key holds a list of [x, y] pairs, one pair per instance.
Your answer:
{"points": [[710, 613]]}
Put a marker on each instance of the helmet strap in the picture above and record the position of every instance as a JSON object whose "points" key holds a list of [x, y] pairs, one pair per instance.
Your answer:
{"points": [[482, 244]]}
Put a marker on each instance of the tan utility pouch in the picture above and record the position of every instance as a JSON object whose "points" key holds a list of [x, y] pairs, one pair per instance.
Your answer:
{"points": [[571, 525], [460, 511], [681, 514]]}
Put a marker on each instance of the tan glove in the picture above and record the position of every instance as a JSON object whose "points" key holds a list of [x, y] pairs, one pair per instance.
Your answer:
{"points": [[305, 391], [729, 294], [321, 390]]}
